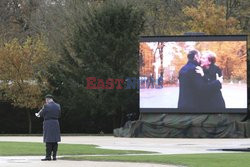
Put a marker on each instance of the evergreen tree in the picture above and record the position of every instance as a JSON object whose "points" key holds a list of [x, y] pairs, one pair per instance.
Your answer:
{"points": [[104, 45]]}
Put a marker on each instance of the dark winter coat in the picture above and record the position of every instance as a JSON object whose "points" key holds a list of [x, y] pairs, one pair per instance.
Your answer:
{"points": [[193, 88], [51, 128], [215, 99]]}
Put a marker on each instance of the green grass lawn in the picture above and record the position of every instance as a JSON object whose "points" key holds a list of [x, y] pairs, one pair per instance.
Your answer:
{"points": [[27, 148], [192, 160]]}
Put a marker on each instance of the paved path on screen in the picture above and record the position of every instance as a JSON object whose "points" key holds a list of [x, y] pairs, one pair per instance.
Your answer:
{"points": [[235, 96]]}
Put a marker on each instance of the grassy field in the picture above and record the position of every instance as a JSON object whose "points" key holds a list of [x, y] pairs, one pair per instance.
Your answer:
{"points": [[23, 148], [192, 160], [69, 150]]}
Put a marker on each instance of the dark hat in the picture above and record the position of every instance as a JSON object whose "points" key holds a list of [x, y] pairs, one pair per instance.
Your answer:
{"points": [[49, 96]]}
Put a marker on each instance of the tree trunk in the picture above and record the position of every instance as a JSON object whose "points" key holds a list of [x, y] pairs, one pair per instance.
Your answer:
{"points": [[115, 122], [29, 121], [123, 119], [117, 119]]}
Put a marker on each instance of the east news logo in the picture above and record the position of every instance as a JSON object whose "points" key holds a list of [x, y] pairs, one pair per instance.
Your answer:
{"points": [[110, 83]]}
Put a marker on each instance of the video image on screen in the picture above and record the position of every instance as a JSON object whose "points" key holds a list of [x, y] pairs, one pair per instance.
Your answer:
{"points": [[198, 75]]}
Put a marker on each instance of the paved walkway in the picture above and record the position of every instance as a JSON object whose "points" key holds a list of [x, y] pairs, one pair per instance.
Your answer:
{"points": [[160, 145], [34, 161]]}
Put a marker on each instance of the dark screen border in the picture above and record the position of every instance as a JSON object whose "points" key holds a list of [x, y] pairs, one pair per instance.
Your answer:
{"points": [[196, 38]]}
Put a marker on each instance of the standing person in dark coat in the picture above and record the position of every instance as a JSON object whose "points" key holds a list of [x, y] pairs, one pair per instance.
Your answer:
{"points": [[193, 87], [214, 98], [160, 81], [51, 111], [151, 81]]}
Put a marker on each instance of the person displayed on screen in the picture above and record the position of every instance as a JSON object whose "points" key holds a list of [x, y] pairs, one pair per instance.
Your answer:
{"points": [[194, 88], [208, 59], [210, 72], [160, 81], [151, 81]]}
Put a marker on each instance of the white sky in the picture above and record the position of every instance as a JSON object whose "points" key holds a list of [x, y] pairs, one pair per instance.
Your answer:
{"points": [[170, 49]]}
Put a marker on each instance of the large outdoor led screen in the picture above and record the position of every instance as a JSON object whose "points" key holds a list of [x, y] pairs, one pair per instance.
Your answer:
{"points": [[193, 74]]}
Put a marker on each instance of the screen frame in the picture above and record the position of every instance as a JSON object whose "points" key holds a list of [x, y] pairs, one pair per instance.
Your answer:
{"points": [[184, 38]]}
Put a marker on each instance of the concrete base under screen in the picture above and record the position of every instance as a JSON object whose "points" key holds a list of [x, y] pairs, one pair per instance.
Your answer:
{"points": [[186, 126]]}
